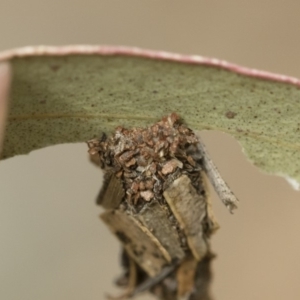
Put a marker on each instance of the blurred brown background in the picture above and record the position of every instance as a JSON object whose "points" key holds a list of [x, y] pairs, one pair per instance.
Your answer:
{"points": [[52, 243]]}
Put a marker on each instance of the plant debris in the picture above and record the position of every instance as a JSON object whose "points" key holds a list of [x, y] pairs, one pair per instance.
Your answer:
{"points": [[156, 202], [147, 160]]}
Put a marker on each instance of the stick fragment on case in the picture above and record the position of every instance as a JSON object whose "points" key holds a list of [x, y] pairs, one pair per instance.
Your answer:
{"points": [[220, 186], [152, 281]]}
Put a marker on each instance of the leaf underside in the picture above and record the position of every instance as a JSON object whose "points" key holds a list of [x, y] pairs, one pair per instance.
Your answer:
{"points": [[74, 98]]}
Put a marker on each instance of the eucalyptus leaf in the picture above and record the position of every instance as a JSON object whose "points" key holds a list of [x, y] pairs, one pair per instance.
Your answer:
{"points": [[73, 98]]}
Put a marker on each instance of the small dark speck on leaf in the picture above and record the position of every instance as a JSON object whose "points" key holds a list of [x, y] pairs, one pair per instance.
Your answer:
{"points": [[54, 68], [43, 101], [277, 110], [92, 105], [230, 114], [154, 92]]}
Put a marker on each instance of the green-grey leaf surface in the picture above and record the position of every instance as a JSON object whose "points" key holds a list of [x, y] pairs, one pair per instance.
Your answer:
{"points": [[64, 99]]}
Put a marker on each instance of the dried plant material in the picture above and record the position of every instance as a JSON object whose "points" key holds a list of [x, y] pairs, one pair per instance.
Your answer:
{"points": [[146, 195], [185, 276], [155, 217], [131, 282], [220, 186], [154, 283], [147, 160], [212, 223], [171, 165], [189, 209], [139, 242], [203, 279], [112, 193], [161, 210]]}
